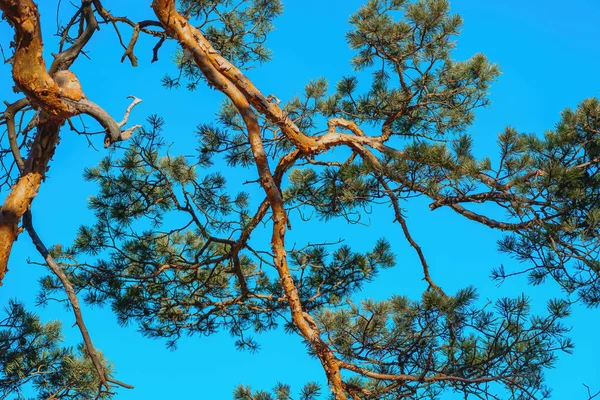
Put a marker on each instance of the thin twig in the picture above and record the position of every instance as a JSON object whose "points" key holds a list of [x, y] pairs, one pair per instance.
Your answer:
{"points": [[398, 213]]}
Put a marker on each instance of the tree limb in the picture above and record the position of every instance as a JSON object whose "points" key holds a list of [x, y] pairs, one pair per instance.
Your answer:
{"points": [[192, 40], [59, 96], [73, 300]]}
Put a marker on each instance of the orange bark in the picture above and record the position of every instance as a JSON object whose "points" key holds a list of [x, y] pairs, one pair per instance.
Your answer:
{"points": [[207, 60], [24, 191], [29, 74], [29, 68], [270, 110]]}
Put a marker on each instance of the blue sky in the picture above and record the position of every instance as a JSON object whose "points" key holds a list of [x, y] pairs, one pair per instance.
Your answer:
{"points": [[549, 54]]}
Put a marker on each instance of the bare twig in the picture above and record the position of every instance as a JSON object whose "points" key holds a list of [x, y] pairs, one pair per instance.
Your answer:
{"points": [[156, 48], [400, 218], [9, 115], [135, 102], [113, 129], [138, 27], [590, 395]]}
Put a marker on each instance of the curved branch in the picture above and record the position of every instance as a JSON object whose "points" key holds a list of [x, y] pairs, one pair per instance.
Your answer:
{"points": [[402, 221], [58, 96], [284, 164], [192, 40], [9, 116], [492, 223], [167, 14], [112, 127], [29, 68], [65, 58]]}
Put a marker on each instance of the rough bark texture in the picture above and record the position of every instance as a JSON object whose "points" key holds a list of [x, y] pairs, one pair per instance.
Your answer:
{"points": [[58, 96], [170, 17], [30, 76], [24, 191], [29, 68]]}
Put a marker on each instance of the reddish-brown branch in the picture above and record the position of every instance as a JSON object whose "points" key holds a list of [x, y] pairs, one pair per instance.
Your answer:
{"points": [[204, 55], [24, 191], [234, 76], [284, 164], [29, 68], [29, 73], [492, 223], [58, 97]]}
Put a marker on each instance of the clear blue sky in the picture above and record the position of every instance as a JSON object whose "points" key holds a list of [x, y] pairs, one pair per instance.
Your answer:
{"points": [[549, 54]]}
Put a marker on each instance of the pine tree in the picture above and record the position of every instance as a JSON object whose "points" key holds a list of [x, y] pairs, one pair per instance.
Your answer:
{"points": [[169, 248]]}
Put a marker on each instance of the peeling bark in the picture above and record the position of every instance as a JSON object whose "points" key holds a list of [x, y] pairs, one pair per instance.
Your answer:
{"points": [[29, 68], [24, 191], [29, 73], [59, 96]]}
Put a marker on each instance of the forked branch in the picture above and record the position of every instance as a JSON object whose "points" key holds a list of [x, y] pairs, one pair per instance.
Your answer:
{"points": [[58, 95]]}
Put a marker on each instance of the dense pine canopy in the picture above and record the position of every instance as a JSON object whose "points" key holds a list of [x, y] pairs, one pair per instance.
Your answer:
{"points": [[169, 249]]}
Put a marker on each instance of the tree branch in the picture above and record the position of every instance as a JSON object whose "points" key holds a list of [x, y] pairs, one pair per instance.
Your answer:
{"points": [[59, 97], [192, 40], [65, 58], [402, 222], [414, 378], [73, 300], [9, 116]]}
